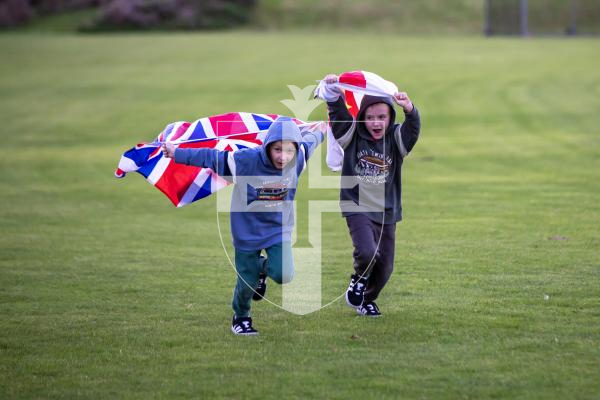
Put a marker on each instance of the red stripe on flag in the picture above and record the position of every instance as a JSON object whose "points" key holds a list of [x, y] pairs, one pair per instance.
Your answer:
{"points": [[155, 153], [210, 144], [228, 124], [351, 103], [199, 145], [175, 180], [180, 131], [354, 78]]}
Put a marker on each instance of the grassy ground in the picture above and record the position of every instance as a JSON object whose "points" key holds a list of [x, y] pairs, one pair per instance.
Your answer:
{"points": [[107, 291]]}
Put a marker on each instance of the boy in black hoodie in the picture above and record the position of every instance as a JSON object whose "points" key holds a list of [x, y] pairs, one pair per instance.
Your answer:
{"points": [[374, 149]]}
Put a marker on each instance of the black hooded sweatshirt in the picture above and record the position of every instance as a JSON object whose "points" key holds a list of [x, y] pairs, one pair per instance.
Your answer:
{"points": [[372, 169]]}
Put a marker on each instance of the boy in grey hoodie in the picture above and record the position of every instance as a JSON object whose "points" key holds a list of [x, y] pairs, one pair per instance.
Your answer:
{"points": [[374, 149], [262, 214]]}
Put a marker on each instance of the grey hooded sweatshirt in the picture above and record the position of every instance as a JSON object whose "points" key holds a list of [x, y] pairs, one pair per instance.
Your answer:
{"points": [[372, 169]]}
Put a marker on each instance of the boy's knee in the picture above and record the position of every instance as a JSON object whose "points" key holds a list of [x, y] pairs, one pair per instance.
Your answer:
{"points": [[247, 288], [364, 257], [287, 277], [282, 276]]}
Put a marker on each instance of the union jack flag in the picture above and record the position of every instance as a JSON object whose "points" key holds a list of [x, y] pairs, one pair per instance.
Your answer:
{"points": [[184, 184], [356, 84]]}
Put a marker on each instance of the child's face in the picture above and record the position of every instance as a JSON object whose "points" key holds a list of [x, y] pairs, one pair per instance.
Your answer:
{"points": [[282, 153], [377, 119]]}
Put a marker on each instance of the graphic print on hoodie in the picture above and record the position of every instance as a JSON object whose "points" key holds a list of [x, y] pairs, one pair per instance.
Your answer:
{"points": [[373, 167]]}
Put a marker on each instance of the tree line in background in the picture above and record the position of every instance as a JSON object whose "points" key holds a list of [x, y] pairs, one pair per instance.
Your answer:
{"points": [[492, 17], [398, 16], [134, 14]]}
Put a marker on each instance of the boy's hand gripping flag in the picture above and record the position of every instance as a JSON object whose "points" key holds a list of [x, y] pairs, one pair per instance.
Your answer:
{"points": [[184, 184], [353, 85]]}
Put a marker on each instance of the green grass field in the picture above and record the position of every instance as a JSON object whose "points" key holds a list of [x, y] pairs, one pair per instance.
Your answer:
{"points": [[108, 291]]}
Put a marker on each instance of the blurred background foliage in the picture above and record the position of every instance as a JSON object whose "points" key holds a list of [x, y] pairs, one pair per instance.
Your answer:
{"points": [[103, 15], [461, 17]]}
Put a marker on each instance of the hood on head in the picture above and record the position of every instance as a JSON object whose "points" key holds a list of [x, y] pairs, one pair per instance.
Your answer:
{"points": [[368, 101], [283, 128]]}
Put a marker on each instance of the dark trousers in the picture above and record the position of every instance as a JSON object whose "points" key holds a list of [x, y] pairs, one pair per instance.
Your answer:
{"points": [[374, 248], [279, 266]]}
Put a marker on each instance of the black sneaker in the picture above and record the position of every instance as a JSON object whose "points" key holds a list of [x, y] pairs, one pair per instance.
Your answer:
{"points": [[243, 326], [259, 293], [369, 310], [356, 291]]}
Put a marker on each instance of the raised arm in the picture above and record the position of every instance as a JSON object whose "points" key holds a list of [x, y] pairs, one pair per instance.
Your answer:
{"points": [[310, 141], [218, 161], [340, 118], [408, 133]]}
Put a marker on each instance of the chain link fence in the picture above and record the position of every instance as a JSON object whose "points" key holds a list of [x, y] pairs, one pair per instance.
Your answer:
{"points": [[542, 17]]}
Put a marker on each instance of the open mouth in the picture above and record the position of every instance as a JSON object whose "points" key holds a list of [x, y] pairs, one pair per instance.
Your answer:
{"points": [[377, 131]]}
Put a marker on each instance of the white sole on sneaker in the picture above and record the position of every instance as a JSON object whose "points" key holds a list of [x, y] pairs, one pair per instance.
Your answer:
{"points": [[242, 333], [350, 304], [368, 316]]}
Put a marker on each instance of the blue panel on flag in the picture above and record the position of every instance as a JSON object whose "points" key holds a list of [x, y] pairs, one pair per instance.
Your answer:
{"points": [[204, 191], [146, 169], [263, 123], [198, 132]]}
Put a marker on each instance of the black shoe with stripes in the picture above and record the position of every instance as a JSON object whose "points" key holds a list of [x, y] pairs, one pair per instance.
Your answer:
{"points": [[356, 291], [243, 326], [369, 310]]}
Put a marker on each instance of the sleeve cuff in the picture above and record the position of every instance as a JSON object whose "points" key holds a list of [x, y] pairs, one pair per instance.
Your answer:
{"points": [[412, 113], [179, 156]]}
